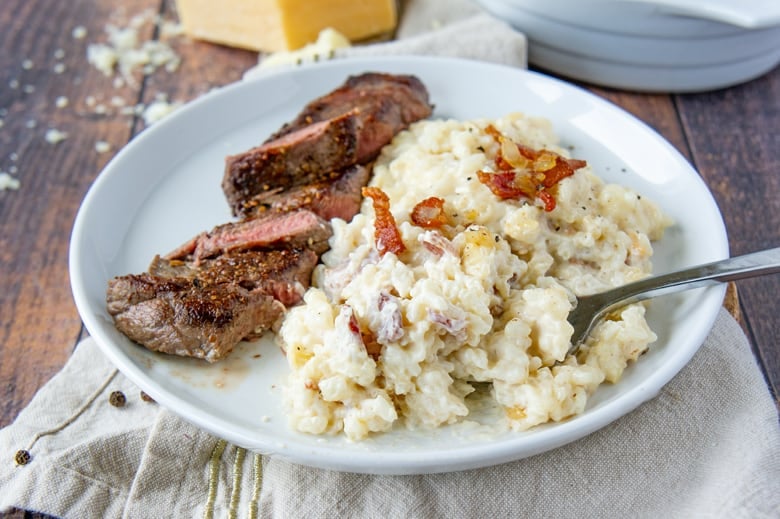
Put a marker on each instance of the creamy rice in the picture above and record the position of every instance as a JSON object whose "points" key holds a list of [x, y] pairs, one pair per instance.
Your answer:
{"points": [[481, 300]]}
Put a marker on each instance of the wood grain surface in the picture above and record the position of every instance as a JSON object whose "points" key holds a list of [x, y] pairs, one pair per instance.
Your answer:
{"points": [[731, 136]]}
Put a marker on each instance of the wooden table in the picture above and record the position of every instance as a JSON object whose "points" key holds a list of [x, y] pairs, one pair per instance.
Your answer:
{"points": [[731, 136]]}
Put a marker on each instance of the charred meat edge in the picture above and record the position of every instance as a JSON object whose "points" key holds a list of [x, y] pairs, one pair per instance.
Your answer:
{"points": [[204, 310], [346, 127]]}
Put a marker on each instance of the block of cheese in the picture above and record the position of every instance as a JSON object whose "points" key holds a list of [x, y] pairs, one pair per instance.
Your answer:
{"points": [[275, 25]]}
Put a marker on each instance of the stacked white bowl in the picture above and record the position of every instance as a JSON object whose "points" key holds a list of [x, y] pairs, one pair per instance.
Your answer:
{"points": [[649, 45]]}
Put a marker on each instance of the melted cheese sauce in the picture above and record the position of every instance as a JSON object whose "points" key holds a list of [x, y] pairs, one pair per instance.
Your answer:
{"points": [[479, 302]]}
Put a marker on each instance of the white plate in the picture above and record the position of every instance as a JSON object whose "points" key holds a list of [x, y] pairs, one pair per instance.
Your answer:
{"points": [[645, 78], [695, 18], [681, 50], [164, 187]]}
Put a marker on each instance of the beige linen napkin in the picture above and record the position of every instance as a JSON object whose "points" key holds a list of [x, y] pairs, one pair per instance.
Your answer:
{"points": [[707, 446]]}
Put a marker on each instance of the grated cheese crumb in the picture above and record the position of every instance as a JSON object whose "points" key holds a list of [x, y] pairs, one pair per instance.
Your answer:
{"points": [[13, 84], [27, 64], [171, 29], [157, 110], [54, 136], [102, 146], [123, 54], [8, 182], [59, 68], [79, 32], [133, 110], [328, 42], [102, 57], [59, 54], [61, 102]]}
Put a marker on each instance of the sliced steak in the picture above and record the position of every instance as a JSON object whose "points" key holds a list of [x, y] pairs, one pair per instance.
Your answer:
{"points": [[283, 273], [235, 281], [204, 310], [315, 153], [338, 199], [346, 127], [360, 92], [299, 228], [180, 318]]}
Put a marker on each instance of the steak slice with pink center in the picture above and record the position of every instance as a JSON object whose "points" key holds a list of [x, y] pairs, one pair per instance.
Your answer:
{"points": [[301, 228]]}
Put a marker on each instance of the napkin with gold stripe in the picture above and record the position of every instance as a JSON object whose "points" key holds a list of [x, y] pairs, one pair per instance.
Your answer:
{"points": [[90, 444], [707, 446]]}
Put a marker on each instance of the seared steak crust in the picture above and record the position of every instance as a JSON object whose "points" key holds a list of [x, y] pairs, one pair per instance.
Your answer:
{"points": [[361, 92], [235, 281], [313, 154], [340, 198], [180, 318], [204, 310], [346, 127]]}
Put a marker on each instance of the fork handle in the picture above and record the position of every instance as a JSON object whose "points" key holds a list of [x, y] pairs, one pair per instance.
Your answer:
{"points": [[731, 269]]}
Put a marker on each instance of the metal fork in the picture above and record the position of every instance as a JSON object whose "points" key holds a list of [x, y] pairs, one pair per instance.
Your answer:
{"points": [[590, 309]]}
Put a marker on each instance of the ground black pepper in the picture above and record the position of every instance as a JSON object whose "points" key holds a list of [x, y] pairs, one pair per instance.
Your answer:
{"points": [[117, 399], [22, 457]]}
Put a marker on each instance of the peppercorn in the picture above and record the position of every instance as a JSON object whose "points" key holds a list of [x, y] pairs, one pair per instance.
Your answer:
{"points": [[117, 399], [22, 457]]}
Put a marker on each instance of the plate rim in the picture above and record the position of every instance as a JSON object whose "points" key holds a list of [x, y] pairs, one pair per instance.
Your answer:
{"points": [[387, 463]]}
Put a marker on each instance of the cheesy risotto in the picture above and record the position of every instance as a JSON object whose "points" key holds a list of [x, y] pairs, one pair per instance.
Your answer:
{"points": [[404, 336]]}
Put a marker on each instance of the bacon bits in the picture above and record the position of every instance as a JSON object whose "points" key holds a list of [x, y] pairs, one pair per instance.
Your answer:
{"points": [[429, 213], [524, 172], [373, 348], [386, 234]]}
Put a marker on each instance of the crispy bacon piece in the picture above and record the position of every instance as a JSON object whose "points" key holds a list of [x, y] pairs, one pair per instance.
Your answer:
{"points": [[429, 213], [507, 184], [526, 172], [547, 199], [386, 234], [563, 168], [493, 132]]}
